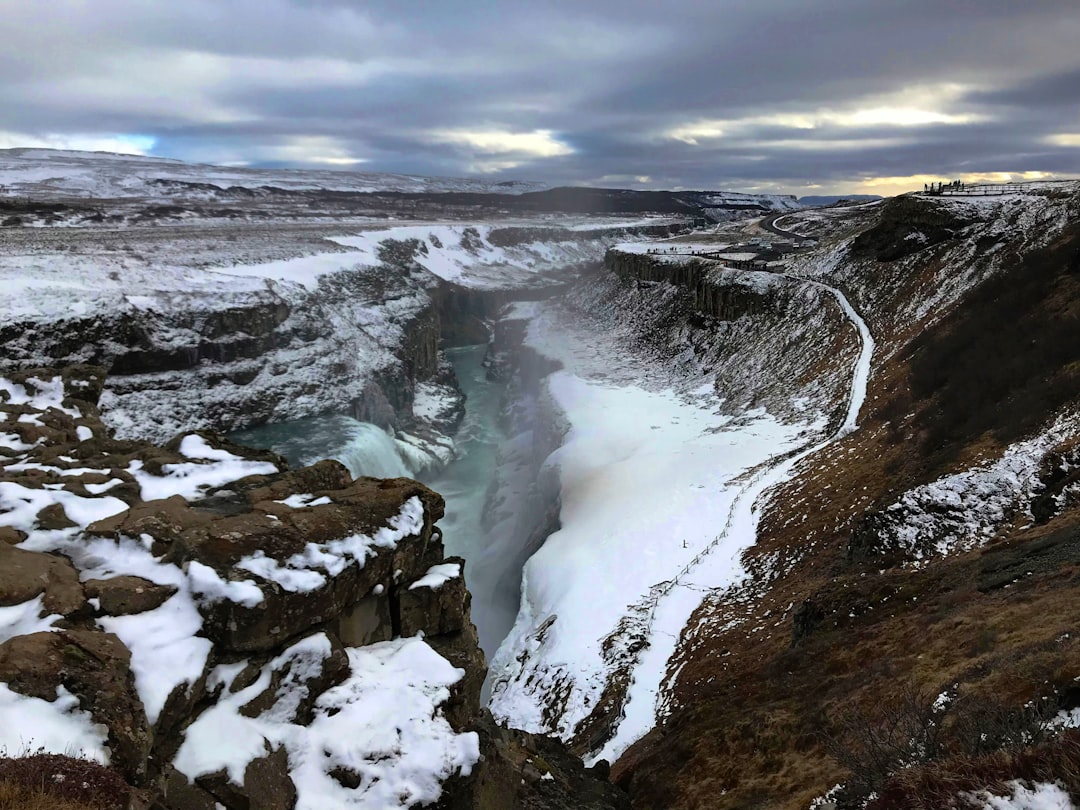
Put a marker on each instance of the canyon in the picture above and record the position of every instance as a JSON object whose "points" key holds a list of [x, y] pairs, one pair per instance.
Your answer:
{"points": [[693, 479]]}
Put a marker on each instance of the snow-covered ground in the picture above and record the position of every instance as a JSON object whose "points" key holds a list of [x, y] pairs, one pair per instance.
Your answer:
{"points": [[1025, 796], [46, 286], [50, 172], [965, 510], [658, 492]]}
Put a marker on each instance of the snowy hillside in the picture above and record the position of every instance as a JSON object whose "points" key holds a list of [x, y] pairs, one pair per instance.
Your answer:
{"points": [[58, 174]]}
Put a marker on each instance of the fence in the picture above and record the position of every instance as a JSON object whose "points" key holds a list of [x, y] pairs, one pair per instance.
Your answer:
{"points": [[991, 189]]}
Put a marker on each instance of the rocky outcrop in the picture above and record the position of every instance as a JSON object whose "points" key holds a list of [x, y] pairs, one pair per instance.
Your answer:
{"points": [[716, 292], [907, 225], [227, 632], [769, 337]]}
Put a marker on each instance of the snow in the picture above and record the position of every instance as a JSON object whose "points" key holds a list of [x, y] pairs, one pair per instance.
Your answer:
{"points": [[190, 480], [58, 727], [195, 446], [42, 394], [466, 254], [20, 505], [208, 586], [97, 174], [303, 572], [1031, 796], [434, 402], [964, 510], [166, 651], [659, 497], [437, 576], [646, 477], [11, 441], [384, 724], [300, 501], [25, 618]]}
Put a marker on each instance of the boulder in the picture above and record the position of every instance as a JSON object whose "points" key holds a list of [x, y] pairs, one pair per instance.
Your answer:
{"points": [[267, 785], [364, 508], [180, 794], [124, 595], [53, 518], [435, 605], [11, 536], [27, 574], [96, 668]]}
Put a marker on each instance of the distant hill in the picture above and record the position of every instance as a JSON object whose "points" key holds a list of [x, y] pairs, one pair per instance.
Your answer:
{"points": [[827, 199], [45, 175]]}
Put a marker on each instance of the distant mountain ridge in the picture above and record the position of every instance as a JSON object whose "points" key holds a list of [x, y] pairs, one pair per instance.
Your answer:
{"points": [[59, 175], [108, 175]]}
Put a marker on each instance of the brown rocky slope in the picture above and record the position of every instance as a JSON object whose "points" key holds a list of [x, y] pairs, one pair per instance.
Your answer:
{"points": [[911, 627]]}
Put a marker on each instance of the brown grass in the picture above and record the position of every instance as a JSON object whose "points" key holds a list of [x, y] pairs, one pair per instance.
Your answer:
{"points": [[935, 786], [58, 782], [19, 797]]}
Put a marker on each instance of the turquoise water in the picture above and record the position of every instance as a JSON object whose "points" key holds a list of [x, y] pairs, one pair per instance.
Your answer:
{"points": [[367, 449], [464, 484], [364, 448]]}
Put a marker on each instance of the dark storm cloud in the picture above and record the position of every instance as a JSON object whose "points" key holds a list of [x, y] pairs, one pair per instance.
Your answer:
{"points": [[770, 94]]}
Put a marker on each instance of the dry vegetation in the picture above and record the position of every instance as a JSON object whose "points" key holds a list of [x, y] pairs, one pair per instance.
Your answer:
{"points": [[800, 673], [57, 782]]}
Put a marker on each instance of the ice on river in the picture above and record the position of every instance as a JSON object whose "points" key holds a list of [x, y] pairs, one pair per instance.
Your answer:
{"points": [[649, 474]]}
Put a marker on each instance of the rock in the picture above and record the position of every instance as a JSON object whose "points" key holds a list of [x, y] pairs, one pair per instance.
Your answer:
{"points": [[165, 521], [368, 621], [365, 507], [95, 667], [323, 476], [298, 677], [462, 649], [11, 536], [26, 574], [521, 771], [435, 611], [53, 517], [180, 794], [124, 595], [267, 785]]}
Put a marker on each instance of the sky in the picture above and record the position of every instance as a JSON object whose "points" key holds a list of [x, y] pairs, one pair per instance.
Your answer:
{"points": [[787, 96]]}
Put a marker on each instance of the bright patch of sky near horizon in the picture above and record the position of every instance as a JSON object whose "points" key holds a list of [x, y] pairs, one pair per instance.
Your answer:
{"points": [[775, 96]]}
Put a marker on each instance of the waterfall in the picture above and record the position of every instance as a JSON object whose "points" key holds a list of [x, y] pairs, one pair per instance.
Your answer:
{"points": [[364, 448], [370, 451]]}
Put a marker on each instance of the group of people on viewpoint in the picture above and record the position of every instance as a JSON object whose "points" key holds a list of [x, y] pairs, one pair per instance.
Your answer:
{"points": [[938, 188]]}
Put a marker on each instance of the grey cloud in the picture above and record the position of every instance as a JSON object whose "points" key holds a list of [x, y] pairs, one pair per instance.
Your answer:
{"points": [[380, 78]]}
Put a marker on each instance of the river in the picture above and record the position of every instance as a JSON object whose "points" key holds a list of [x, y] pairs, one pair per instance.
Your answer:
{"points": [[368, 450]]}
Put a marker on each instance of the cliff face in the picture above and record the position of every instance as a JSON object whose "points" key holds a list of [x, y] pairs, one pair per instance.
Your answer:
{"points": [[225, 632], [884, 593], [227, 329], [237, 358]]}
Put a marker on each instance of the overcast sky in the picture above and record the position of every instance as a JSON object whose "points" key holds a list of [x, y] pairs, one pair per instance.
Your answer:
{"points": [[797, 96]]}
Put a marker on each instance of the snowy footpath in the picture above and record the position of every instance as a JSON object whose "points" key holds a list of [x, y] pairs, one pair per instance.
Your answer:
{"points": [[660, 495]]}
